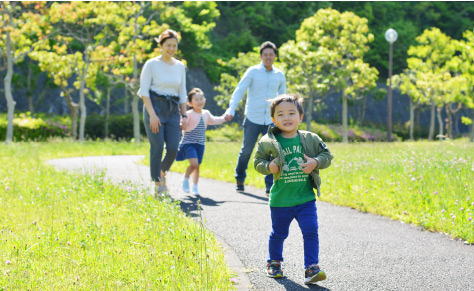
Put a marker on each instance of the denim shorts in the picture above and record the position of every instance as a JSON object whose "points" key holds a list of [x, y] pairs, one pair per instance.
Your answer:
{"points": [[189, 151]]}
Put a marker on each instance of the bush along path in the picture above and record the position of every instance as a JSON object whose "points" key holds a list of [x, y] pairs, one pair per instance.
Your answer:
{"points": [[358, 251]]}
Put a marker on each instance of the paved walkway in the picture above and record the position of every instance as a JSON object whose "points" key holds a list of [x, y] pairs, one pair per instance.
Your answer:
{"points": [[358, 251]]}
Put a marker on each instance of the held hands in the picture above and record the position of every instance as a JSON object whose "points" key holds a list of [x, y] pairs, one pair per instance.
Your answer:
{"points": [[310, 164], [184, 122], [274, 168], [155, 123], [227, 117]]}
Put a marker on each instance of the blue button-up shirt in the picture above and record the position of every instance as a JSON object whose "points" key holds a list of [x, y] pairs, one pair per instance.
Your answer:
{"points": [[261, 85]]}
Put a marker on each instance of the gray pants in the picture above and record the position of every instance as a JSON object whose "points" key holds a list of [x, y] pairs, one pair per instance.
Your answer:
{"points": [[170, 133]]}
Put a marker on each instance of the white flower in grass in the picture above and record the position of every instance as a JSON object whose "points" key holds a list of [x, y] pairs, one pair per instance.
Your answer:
{"points": [[443, 211], [7, 188], [8, 262], [148, 220]]}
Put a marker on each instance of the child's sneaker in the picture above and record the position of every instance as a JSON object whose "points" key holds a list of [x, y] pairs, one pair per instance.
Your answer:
{"points": [[195, 190], [274, 269], [186, 185], [313, 274]]}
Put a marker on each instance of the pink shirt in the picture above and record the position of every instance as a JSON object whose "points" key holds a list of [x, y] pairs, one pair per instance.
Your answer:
{"points": [[208, 118]]}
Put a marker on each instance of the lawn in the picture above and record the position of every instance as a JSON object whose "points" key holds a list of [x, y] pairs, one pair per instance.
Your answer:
{"points": [[423, 183], [68, 231], [63, 231]]}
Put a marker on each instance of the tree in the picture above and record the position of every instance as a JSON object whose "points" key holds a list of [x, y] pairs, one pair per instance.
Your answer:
{"points": [[228, 81], [90, 24], [308, 73], [142, 22], [406, 82], [22, 30], [61, 66], [464, 63], [429, 60], [344, 36]]}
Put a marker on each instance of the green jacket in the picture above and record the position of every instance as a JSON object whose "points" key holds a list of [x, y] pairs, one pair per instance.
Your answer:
{"points": [[269, 149]]}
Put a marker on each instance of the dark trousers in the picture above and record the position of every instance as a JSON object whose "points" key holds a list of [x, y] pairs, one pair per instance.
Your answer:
{"points": [[169, 134], [251, 133]]}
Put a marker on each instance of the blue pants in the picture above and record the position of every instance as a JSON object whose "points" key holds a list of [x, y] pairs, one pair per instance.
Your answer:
{"points": [[170, 133], [307, 219], [251, 132]]}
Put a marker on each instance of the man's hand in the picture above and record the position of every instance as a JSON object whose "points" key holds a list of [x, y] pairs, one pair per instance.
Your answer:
{"points": [[228, 117], [310, 164], [274, 168]]}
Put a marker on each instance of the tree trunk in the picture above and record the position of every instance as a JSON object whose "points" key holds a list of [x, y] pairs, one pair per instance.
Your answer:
{"points": [[412, 119], [363, 110], [136, 114], [440, 121], [126, 103], [432, 122], [107, 112], [29, 91], [74, 110], [344, 119], [7, 81], [449, 124], [471, 136], [82, 101], [309, 113]]}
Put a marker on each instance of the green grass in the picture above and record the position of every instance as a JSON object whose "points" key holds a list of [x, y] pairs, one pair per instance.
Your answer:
{"points": [[423, 183], [68, 231]]}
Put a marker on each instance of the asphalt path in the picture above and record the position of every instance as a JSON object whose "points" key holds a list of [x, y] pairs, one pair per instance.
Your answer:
{"points": [[358, 251]]}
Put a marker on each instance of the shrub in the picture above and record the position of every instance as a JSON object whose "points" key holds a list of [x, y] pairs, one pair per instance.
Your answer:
{"points": [[38, 128], [120, 126]]}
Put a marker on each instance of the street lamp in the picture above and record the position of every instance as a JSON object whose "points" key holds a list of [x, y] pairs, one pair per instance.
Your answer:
{"points": [[391, 36]]}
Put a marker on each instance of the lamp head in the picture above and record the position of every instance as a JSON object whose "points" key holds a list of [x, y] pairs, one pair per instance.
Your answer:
{"points": [[391, 35]]}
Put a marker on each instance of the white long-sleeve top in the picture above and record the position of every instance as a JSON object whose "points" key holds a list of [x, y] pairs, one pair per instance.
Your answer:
{"points": [[163, 78]]}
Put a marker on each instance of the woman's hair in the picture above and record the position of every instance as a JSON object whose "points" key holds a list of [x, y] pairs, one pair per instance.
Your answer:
{"points": [[193, 92], [268, 44], [291, 98], [169, 33]]}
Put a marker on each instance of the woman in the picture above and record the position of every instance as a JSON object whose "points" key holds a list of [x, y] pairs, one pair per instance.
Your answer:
{"points": [[163, 90]]}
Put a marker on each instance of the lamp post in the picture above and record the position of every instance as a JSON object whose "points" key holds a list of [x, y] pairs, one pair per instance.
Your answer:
{"points": [[391, 36]]}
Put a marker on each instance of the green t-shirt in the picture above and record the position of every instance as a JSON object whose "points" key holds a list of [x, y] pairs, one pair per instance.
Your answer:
{"points": [[294, 186]]}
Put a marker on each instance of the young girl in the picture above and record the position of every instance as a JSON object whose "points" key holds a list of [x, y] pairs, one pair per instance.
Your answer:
{"points": [[192, 145]]}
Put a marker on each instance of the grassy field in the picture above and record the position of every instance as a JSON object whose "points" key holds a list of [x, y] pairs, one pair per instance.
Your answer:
{"points": [[63, 231], [429, 184]]}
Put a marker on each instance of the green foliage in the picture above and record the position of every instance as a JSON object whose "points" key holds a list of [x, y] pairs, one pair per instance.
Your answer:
{"points": [[38, 128], [120, 126], [43, 127], [229, 81]]}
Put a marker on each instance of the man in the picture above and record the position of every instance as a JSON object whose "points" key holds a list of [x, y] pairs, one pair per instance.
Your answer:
{"points": [[262, 82]]}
